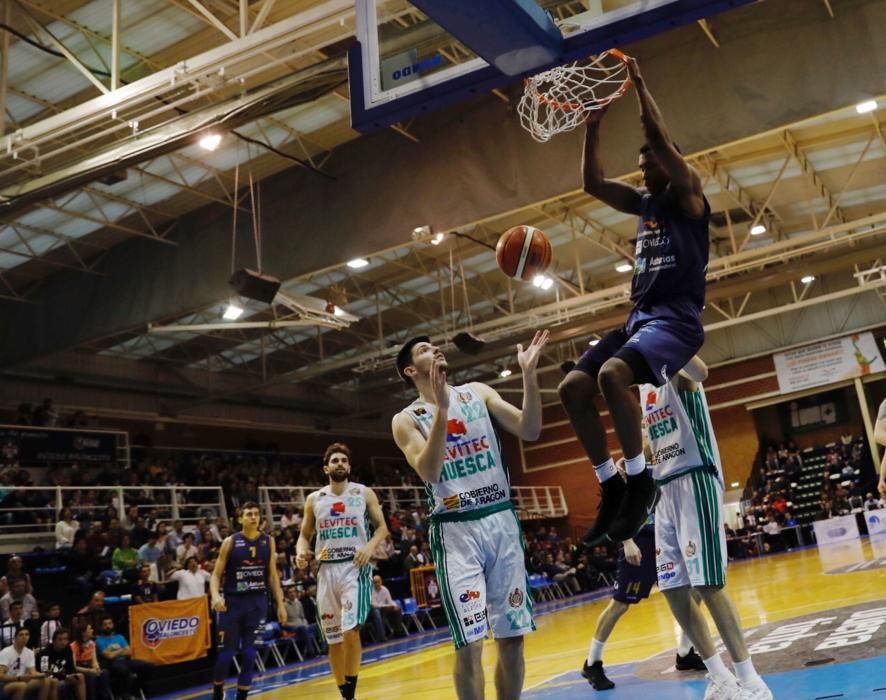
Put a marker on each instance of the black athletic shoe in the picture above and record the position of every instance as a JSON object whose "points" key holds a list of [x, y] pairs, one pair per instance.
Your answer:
{"points": [[639, 500], [596, 676], [218, 691], [690, 662], [613, 493]]}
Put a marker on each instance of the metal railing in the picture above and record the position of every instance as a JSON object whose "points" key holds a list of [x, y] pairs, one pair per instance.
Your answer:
{"points": [[531, 502], [35, 518]]}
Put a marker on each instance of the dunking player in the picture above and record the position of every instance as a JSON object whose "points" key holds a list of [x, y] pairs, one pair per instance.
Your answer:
{"points": [[689, 534], [449, 436], [664, 329], [634, 577], [340, 514], [246, 562]]}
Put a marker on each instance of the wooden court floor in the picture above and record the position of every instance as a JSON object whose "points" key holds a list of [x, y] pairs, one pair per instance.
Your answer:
{"points": [[766, 590]]}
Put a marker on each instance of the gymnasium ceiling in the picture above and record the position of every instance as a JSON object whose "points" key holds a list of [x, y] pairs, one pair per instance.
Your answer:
{"points": [[817, 187]]}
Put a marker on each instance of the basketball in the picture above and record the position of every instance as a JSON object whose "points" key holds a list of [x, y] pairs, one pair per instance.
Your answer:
{"points": [[523, 252]]}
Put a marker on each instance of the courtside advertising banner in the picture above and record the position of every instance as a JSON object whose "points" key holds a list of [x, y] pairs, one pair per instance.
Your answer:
{"points": [[876, 520], [171, 631], [835, 530]]}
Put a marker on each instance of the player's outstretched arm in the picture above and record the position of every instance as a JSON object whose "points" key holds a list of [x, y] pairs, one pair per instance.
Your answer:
{"points": [[424, 456], [305, 534], [526, 424], [617, 195], [217, 602], [380, 530], [684, 180]]}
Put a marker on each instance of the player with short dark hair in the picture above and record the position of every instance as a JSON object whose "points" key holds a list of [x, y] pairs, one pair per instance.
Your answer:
{"points": [[449, 437], [247, 565], [663, 330], [341, 514]]}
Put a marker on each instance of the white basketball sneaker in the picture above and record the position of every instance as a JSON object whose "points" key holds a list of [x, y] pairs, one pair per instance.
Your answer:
{"points": [[722, 689], [755, 692]]}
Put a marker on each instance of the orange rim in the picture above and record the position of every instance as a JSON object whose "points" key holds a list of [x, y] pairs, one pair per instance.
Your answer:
{"points": [[577, 106]]}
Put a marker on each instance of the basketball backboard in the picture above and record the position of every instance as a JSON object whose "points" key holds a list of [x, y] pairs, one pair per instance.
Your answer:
{"points": [[414, 57]]}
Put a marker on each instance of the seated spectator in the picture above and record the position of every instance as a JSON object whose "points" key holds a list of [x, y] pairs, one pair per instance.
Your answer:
{"points": [[191, 580], [186, 549], [125, 557], [561, 573], [384, 609], [86, 662], [50, 624], [149, 552], [846, 438], [65, 529], [144, 590], [94, 611], [18, 670], [290, 519], [114, 653], [15, 570], [175, 537], [413, 559], [856, 502], [13, 625], [18, 593], [56, 662], [140, 534], [297, 623]]}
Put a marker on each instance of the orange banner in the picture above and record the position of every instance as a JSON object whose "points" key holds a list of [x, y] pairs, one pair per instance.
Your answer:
{"points": [[171, 631]]}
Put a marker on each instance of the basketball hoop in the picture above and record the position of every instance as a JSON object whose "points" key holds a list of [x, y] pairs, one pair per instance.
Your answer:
{"points": [[560, 99]]}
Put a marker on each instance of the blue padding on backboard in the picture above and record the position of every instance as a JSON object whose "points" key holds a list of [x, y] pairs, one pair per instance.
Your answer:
{"points": [[624, 29], [515, 36]]}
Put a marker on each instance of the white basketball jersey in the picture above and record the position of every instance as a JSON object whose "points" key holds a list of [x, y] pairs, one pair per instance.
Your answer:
{"points": [[342, 522], [474, 480], [678, 427]]}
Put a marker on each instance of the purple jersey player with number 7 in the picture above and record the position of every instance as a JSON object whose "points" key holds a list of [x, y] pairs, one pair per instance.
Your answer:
{"points": [[663, 330]]}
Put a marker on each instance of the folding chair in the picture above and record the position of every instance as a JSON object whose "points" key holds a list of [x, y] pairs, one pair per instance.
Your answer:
{"points": [[409, 609]]}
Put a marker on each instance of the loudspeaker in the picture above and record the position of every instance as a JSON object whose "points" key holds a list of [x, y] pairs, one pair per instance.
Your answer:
{"points": [[468, 343], [250, 284]]}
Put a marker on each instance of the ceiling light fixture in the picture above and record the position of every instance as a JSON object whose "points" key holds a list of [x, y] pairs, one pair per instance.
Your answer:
{"points": [[357, 263], [542, 282], [866, 106], [807, 279], [505, 373], [232, 312], [624, 267], [210, 142], [437, 239], [593, 342], [758, 229]]}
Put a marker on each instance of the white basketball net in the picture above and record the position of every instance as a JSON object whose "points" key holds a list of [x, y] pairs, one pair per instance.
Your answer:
{"points": [[560, 99]]}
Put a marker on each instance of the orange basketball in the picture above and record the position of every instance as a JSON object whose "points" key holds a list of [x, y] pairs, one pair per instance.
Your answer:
{"points": [[523, 252]]}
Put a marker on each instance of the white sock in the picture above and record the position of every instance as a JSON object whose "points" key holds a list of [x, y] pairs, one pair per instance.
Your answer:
{"points": [[746, 673], [606, 470], [635, 465], [684, 644], [717, 668], [595, 653]]}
